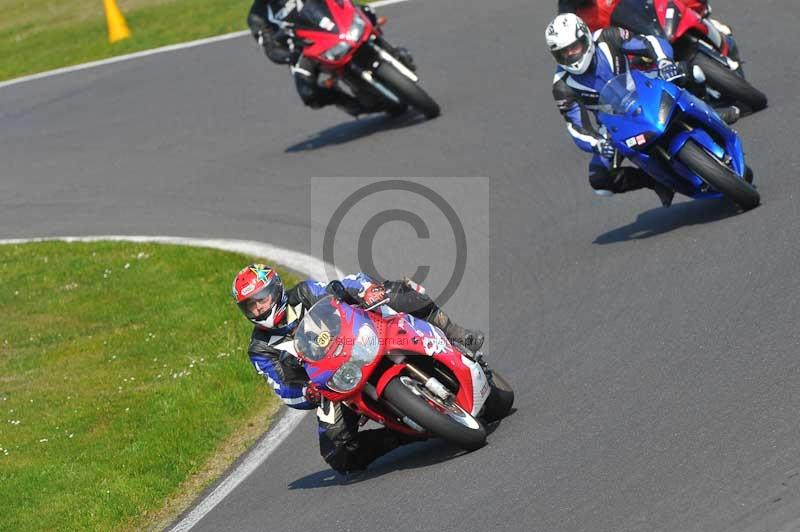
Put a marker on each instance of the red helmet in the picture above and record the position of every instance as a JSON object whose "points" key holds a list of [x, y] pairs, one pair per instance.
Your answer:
{"points": [[258, 291]]}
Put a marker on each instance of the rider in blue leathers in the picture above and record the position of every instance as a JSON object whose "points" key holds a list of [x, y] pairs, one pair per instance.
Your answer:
{"points": [[276, 313], [585, 63]]}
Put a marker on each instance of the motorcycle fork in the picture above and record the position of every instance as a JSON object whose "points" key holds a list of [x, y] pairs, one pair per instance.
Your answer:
{"points": [[431, 383]]}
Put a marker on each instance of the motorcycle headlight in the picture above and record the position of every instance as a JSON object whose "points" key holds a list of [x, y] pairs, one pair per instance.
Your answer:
{"points": [[356, 29], [337, 51], [346, 378], [665, 107], [366, 347]]}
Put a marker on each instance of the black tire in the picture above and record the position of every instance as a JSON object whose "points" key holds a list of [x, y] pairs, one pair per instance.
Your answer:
{"points": [[500, 400], [400, 392], [408, 91], [719, 176], [730, 84]]}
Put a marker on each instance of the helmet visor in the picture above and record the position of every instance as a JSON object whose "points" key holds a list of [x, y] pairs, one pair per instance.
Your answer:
{"points": [[573, 53], [259, 305]]}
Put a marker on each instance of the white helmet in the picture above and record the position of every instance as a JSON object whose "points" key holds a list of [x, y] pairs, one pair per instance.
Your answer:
{"points": [[570, 42]]}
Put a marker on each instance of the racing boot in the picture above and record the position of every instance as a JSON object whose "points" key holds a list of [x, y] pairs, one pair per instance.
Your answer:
{"points": [[469, 338], [404, 56], [346, 103], [665, 194]]}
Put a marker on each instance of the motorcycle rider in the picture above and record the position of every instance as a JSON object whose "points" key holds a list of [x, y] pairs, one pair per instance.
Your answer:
{"points": [[585, 62], [267, 17], [275, 313], [597, 13]]}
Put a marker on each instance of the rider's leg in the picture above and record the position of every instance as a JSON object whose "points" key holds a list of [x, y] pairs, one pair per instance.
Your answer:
{"points": [[306, 74], [607, 181], [405, 297], [344, 447]]}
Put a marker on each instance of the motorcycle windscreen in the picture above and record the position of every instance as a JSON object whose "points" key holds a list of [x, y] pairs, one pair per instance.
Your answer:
{"points": [[618, 95], [637, 16], [319, 330], [316, 16]]}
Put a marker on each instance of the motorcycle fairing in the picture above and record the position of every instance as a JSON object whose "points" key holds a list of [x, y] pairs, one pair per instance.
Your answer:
{"points": [[324, 23], [644, 117]]}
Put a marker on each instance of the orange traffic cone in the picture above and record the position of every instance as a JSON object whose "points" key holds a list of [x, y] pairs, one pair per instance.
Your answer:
{"points": [[117, 27]]}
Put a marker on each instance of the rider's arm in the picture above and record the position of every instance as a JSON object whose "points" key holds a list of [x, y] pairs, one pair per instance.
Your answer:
{"points": [[264, 30], [579, 125], [359, 285], [288, 381], [650, 46]]}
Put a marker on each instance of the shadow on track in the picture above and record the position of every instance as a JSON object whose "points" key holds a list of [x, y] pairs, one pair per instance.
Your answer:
{"points": [[411, 456], [354, 130], [660, 220]]}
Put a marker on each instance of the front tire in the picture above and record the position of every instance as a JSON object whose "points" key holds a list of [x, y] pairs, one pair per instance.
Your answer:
{"points": [[448, 421], [408, 91], [719, 176], [730, 84]]}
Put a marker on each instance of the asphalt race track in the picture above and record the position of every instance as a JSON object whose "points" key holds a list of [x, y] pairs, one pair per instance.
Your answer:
{"points": [[655, 352]]}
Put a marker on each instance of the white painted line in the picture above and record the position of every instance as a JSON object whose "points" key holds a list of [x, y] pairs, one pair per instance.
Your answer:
{"points": [[299, 262], [255, 458], [152, 51]]}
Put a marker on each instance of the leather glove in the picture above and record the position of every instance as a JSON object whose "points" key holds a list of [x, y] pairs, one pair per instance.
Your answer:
{"points": [[277, 52], [668, 70], [312, 393], [337, 290], [374, 293], [605, 149], [289, 360]]}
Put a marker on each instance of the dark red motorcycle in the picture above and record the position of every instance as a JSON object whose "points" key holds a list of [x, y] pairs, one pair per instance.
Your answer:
{"points": [[695, 41], [352, 50], [400, 371]]}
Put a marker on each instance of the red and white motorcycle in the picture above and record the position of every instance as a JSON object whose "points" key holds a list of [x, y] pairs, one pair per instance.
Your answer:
{"points": [[351, 49], [401, 372]]}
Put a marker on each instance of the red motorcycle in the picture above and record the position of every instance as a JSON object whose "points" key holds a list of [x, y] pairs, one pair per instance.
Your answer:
{"points": [[400, 372], [696, 42], [352, 50]]}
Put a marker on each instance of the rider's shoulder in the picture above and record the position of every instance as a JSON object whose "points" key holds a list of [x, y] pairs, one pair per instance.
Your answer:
{"points": [[612, 35], [561, 90], [262, 340]]}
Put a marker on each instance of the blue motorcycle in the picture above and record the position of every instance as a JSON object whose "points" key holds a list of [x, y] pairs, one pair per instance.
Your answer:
{"points": [[676, 138]]}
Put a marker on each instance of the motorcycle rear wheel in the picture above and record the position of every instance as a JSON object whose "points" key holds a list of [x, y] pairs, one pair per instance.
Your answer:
{"points": [[719, 176], [408, 91], [730, 84], [446, 420]]}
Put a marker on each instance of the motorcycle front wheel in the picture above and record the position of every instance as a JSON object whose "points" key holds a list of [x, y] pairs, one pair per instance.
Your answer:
{"points": [[445, 419], [408, 91], [719, 176]]}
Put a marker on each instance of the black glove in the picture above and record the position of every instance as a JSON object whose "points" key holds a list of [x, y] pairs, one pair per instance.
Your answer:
{"points": [[370, 14], [289, 360], [605, 149], [337, 290], [278, 52], [669, 70]]}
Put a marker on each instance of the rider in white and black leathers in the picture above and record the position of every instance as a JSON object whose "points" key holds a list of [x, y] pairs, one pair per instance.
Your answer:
{"points": [[585, 63], [342, 445], [265, 19]]}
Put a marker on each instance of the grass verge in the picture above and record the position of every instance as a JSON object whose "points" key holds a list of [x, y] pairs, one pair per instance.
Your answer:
{"points": [[36, 36], [123, 374], [40, 35]]}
